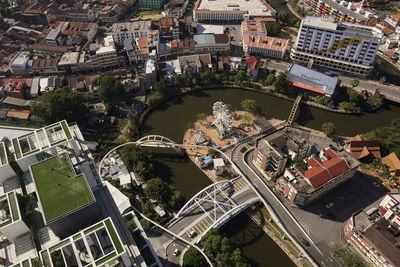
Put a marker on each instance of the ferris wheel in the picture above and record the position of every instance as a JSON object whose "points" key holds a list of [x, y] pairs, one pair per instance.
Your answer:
{"points": [[223, 119]]}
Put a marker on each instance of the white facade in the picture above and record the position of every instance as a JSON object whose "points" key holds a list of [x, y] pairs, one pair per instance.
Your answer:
{"points": [[151, 70], [130, 30], [106, 56], [340, 46], [19, 63]]}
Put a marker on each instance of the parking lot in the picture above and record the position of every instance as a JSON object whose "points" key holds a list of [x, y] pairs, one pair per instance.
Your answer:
{"points": [[235, 34], [324, 218]]}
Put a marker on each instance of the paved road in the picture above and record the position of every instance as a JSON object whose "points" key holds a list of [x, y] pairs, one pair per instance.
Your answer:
{"points": [[390, 92], [319, 253]]}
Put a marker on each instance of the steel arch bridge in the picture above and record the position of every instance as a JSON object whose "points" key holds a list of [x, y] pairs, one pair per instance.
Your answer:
{"points": [[217, 202]]}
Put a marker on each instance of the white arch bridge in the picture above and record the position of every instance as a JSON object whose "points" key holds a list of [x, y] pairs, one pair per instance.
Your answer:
{"points": [[211, 207]]}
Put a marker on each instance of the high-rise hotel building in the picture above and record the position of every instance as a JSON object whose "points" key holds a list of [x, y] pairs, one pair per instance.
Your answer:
{"points": [[338, 46]]}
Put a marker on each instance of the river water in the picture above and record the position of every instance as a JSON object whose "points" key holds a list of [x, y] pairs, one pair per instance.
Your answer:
{"points": [[172, 118]]}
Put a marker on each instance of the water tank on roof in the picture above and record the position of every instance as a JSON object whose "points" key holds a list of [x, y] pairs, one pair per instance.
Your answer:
{"points": [[350, 5], [344, 3]]}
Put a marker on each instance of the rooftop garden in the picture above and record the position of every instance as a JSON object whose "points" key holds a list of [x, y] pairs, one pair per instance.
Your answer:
{"points": [[101, 239], [60, 190], [8, 209], [3, 154]]}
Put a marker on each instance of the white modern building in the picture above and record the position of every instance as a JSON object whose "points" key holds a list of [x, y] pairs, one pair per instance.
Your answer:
{"points": [[106, 56], [339, 46], [232, 11], [130, 30], [19, 63]]}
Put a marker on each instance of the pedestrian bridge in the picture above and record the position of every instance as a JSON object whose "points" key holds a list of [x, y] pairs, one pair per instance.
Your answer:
{"points": [[211, 207]]}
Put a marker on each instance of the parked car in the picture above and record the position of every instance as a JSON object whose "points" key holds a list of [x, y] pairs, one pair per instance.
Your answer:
{"points": [[329, 205], [177, 252], [304, 242], [192, 234]]}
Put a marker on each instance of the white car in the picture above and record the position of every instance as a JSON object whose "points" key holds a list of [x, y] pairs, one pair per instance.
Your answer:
{"points": [[192, 234], [176, 252], [330, 205]]}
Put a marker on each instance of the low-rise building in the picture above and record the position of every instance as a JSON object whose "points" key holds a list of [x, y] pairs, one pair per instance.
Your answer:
{"points": [[253, 27], [228, 12], [106, 56], [393, 20], [72, 13], [150, 72], [363, 149], [375, 232], [130, 30], [392, 163], [211, 43], [262, 45], [317, 164], [19, 63], [69, 33], [68, 62], [109, 14], [312, 80], [16, 87], [176, 8]]}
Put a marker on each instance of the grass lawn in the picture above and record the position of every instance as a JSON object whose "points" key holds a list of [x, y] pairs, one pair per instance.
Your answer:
{"points": [[58, 188], [147, 12]]}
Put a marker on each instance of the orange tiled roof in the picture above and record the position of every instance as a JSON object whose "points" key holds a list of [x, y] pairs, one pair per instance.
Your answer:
{"points": [[266, 42]]}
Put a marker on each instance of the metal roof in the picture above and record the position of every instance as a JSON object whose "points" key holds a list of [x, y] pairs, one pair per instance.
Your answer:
{"points": [[310, 78]]}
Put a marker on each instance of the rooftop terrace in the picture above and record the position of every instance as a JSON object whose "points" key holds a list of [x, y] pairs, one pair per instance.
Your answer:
{"points": [[60, 190], [41, 139], [96, 245], [9, 209]]}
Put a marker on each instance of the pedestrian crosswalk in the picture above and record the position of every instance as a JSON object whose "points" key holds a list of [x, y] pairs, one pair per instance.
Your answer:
{"points": [[201, 226]]}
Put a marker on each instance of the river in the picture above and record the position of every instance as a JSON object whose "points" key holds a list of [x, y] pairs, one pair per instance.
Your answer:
{"points": [[171, 119]]}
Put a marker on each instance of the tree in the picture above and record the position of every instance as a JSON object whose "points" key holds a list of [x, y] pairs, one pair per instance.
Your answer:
{"points": [[270, 79], [328, 128], [353, 95], [205, 77], [177, 200], [280, 83], [375, 101], [154, 98], [179, 80], [158, 190], [193, 258], [138, 160], [160, 87], [355, 83], [60, 104], [241, 76], [300, 162], [347, 105], [321, 100], [201, 116], [110, 89], [273, 28], [346, 257], [250, 105]]}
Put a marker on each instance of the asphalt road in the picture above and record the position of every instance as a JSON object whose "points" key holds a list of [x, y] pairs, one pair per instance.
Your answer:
{"points": [[319, 253]]}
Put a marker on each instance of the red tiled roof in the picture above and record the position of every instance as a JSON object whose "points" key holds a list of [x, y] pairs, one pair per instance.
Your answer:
{"points": [[317, 176]]}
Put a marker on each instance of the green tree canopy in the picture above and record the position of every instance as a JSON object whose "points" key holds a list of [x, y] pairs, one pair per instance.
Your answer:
{"points": [[138, 160], [110, 89], [241, 76], [347, 257], [201, 116], [328, 128], [60, 104], [160, 87], [355, 83], [158, 190], [193, 258], [269, 80], [347, 105], [273, 28], [250, 105], [375, 100], [280, 83]]}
